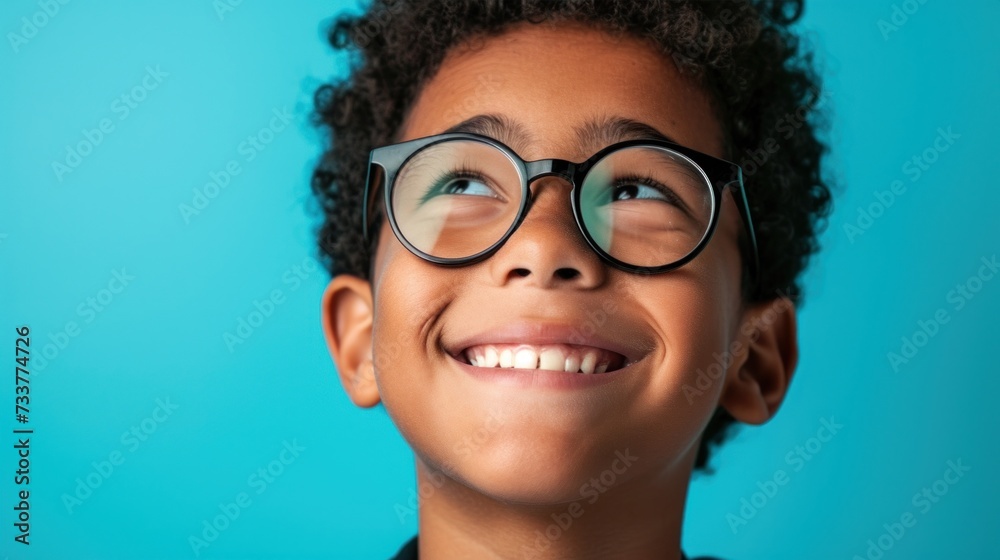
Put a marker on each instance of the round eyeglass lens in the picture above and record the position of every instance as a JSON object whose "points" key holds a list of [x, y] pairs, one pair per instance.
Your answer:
{"points": [[646, 206], [455, 199]]}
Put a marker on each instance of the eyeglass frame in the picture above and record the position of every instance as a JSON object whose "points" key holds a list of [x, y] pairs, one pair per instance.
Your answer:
{"points": [[718, 173]]}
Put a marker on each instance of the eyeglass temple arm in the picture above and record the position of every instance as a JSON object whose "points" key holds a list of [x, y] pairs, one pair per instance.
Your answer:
{"points": [[373, 182], [737, 187]]}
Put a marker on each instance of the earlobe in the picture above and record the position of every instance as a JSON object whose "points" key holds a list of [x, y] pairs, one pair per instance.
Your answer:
{"points": [[757, 384], [347, 316]]}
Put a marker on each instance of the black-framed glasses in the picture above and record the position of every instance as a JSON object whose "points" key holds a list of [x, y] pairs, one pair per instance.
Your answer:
{"points": [[644, 206]]}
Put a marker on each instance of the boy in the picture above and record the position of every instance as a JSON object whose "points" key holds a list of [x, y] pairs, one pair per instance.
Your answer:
{"points": [[544, 266]]}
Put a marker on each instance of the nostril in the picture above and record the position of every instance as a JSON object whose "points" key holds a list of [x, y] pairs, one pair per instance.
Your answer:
{"points": [[567, 273], [522, 272]]}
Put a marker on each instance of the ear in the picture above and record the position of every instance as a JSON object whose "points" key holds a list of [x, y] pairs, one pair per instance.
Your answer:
{"points": [[757, 384], [347, 316]]}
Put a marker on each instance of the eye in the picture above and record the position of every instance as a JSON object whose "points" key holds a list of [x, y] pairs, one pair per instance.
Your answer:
{"points": [[461, 182], [644, 188], [468, 185], [632, 190]]}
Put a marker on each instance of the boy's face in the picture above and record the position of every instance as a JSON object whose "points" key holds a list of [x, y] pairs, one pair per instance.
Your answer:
{"points": [[535, 437]]}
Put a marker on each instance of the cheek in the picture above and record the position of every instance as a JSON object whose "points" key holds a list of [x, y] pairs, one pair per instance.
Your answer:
{"points": [[705, 321], [407, 303], [695, 309], [403, 307], [410, 297]]}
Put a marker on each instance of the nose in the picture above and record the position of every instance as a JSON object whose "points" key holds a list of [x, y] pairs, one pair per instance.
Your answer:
{"points": [[548, 250]]}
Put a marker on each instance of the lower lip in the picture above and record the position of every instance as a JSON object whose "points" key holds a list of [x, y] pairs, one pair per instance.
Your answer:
{"points": [[542, 378]]}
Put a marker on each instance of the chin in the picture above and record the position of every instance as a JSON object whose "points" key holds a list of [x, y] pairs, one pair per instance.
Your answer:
{"points": [[536, 471]]}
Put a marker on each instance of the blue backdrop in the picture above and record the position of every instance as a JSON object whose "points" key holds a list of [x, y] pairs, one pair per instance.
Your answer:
{"points": [[156, 237]]}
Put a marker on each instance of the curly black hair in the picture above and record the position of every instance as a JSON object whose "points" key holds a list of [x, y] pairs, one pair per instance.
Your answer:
{"points": [[744, 55]]}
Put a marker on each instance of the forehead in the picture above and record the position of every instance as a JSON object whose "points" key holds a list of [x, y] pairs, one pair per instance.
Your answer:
{"points": [[550, 82]]}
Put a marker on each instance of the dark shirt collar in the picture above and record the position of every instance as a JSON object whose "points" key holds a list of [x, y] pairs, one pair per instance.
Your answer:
{"points": [[409, 551]]}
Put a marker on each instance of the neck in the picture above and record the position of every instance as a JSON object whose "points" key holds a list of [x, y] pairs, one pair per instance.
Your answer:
{"points": [[636, 519]]}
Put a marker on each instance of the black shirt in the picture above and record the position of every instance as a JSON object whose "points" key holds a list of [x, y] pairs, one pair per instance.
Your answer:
{"points": [[409, 552]]}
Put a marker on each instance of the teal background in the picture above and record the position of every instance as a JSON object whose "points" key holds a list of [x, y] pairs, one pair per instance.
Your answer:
{"points": [[162, 336]]}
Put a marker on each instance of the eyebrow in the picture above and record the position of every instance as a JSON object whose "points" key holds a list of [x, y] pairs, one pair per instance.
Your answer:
{"points": [[594, 134]]}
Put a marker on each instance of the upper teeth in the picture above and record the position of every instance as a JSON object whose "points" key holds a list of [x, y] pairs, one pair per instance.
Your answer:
{"points": [[553, 357]]}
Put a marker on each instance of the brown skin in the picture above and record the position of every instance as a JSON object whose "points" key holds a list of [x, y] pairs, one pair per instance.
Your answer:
{"points": [[532, 450]]}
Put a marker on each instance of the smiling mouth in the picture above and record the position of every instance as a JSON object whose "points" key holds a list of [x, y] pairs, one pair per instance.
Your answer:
{"points": [[569, 358]]}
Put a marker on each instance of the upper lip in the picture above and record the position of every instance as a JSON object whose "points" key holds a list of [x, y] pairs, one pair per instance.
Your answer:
{"points": [[539, 333]]}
